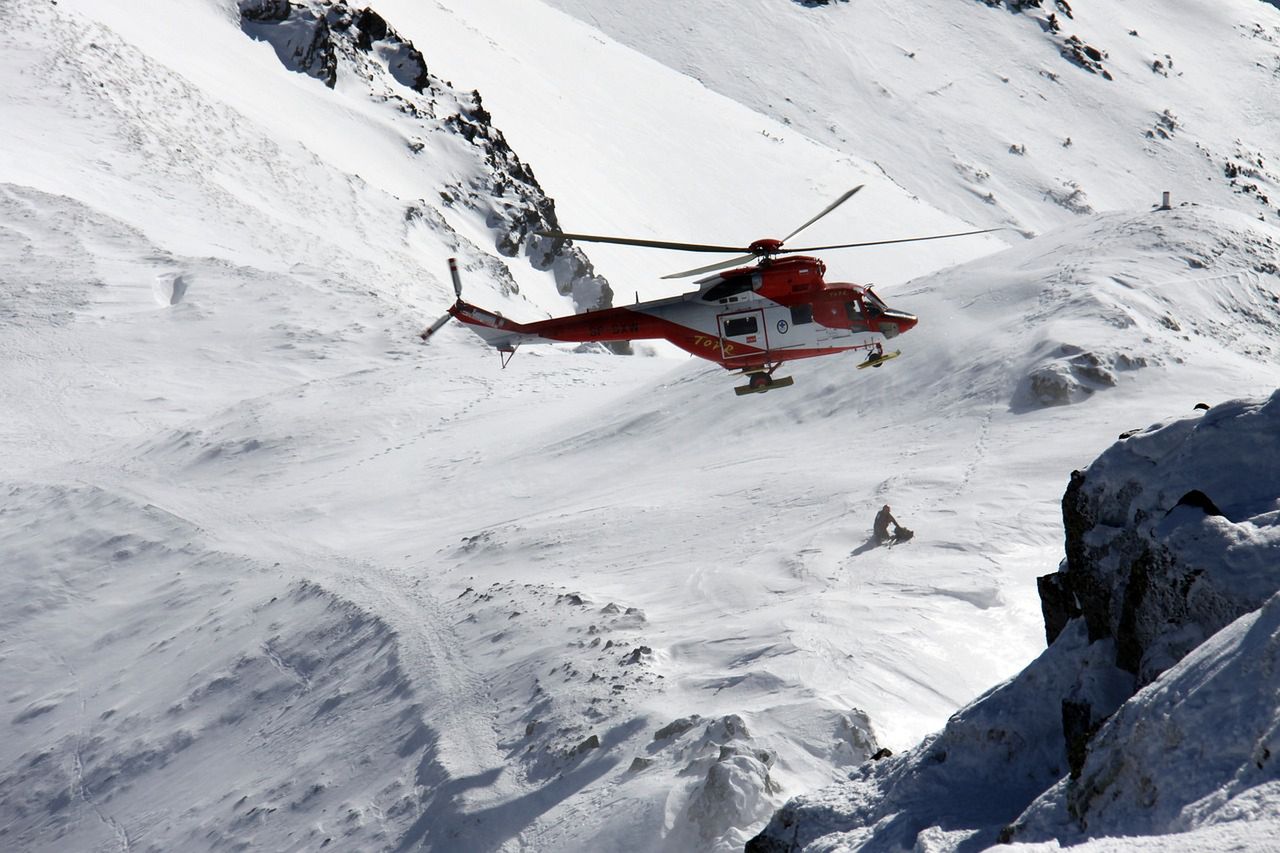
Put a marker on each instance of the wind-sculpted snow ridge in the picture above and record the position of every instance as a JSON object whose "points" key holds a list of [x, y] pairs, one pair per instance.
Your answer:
{"points": [[1173, 536], [328, 40], [1111, 298], [161, 694]]}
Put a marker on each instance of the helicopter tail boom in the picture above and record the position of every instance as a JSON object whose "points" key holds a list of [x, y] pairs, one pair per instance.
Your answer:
{"points": [[496, 330], [608, 324]]}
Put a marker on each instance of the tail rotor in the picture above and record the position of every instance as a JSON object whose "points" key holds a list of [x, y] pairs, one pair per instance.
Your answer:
{"points": [[426, 333]]}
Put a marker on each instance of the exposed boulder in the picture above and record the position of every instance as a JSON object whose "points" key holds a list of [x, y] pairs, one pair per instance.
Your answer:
{"points": [[1071, 374], [734, 788], [1084, 55], [675, 728]]}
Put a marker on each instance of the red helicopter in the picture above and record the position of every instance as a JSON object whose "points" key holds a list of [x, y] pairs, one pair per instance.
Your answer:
{"points": [[751, 319]]}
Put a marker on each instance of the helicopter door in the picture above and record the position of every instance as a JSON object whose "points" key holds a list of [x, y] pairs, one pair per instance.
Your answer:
{"points": [[742, 334]]}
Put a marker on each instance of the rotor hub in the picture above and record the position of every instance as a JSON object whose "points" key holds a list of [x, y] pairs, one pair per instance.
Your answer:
{"points": [[764, 248]]}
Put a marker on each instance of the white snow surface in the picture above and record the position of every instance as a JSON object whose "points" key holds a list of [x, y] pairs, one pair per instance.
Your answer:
{"points": [[272, 576]]}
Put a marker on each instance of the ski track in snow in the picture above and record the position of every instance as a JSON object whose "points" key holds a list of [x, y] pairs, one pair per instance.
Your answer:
{"points": [[79, 789]]}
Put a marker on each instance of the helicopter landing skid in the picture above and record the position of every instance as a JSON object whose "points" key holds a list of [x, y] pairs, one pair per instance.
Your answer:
{"points": [[762, 381]]}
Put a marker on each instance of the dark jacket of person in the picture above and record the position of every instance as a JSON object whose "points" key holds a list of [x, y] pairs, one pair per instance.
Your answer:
{"points": [[883, 519]]}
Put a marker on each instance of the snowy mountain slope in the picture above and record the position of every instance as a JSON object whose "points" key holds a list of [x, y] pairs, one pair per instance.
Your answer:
{"points": [[271, 151], [822, 631], [989, 109], [226, 341], [164, 694]]}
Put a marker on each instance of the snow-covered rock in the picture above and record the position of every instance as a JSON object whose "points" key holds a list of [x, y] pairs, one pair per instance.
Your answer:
{"points": [[1198, 747], [1169, 533]]}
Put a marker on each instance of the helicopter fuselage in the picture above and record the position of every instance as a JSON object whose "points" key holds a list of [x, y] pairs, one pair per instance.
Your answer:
{"points": [[751, 318]]}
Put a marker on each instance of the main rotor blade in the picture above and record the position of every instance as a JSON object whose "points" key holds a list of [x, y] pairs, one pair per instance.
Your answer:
{"points": [[887, 242], [650, 244], [828, 209], [721, 265]]}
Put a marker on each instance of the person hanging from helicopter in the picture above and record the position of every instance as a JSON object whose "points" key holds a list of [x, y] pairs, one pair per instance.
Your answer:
{"points": [[881, 528], [875, 353]]}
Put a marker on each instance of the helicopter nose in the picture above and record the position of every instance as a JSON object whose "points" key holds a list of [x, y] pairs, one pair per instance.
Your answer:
{"points": [[894, 323]]}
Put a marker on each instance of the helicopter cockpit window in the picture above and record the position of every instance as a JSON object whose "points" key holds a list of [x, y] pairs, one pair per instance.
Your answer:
{"points": [[727, 288], [874, 305], [801, 314], [857, 322], [740, 326]]}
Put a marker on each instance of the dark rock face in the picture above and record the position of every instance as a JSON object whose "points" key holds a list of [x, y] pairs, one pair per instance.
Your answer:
{"points": [[1058, 605], [1078, 727], [1199, 500], [264, 11], [405, 62], [323, 39], [308, 40]]}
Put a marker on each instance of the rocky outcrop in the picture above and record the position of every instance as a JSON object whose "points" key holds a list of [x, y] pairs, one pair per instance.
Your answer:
{"points": [[1153, 710], [325, 40], [1151, 559], [301, 37], [1197, 747], [1071, 48], [735, 788], [518, 209]]}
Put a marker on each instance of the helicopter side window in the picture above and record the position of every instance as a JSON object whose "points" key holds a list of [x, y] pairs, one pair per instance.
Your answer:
{"points": [[740, 326], [874, 305], [857, 322], [801, 314]]}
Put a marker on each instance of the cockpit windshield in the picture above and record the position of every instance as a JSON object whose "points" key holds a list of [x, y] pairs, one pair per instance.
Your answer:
{"points": [[873, 303]]}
